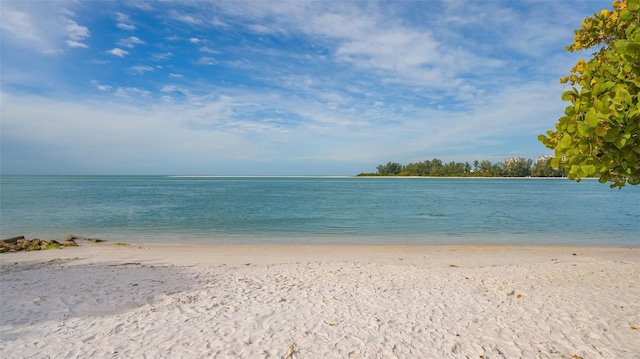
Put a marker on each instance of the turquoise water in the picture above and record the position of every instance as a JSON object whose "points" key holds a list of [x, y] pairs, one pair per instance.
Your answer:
{"points": [[316, 210]]}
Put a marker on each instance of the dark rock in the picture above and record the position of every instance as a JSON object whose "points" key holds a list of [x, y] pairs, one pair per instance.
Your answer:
{"points": [[53, 241], [23, 244], [72, 237], [70, 243], [12, 247]]}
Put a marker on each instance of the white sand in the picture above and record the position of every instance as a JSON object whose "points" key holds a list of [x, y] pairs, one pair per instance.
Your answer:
{"points": [[106, 301]]}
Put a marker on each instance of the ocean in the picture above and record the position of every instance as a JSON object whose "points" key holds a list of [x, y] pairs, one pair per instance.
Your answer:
{"points": [[320, 210]]}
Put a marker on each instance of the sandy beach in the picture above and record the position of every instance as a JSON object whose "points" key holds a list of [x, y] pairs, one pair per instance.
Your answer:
{"points": [[107, 301]]}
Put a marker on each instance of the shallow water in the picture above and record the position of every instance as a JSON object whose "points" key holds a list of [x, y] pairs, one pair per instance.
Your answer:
{"points": [[300, 210]]}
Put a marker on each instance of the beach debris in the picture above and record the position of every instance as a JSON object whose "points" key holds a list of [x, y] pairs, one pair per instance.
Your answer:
{"points": [[513, 292], [634, 328], [290, 352], [453, 266], [94, 240], [12, 240], [576, 357], [332, 324], [125, 264], [519, 296]]}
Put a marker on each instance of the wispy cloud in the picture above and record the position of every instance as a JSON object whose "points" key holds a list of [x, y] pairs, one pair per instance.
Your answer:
{"points": [[100, 86], [162, 57], [130, 42], [186, 18], [77, 34], [20, 25], [209, 50], [123, 22], [131, 92], [141, 69], [206, 60], [118, 52]]}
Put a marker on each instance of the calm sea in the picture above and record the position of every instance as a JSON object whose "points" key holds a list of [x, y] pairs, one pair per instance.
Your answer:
{"points": [[317, 210]]}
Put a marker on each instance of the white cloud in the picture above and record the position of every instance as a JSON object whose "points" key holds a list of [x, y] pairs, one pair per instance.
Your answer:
{"points": [[100, 86], [168, 88], [131, 92], [178, 76], [175, 89], [67, 12], [263, 29], [20, 25], [122, 17], [123, 22], [141, 68], [162, 57], [205, 60], [195, 40], [158, 134], [130, 42], [184, 18], [124, 26], [117, 52], [72, 43], [219, 23], [77, 34], [209, 50], [45, 28]]}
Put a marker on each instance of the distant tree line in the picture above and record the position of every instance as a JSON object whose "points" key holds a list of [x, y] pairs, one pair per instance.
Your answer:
{"points": [[511, 167]]}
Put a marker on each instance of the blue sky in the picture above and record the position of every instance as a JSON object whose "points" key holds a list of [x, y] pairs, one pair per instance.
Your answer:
{"points": [[278, 87]]}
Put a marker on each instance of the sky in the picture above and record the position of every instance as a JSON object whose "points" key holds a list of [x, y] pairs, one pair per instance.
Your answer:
{"points": [[278, 87]]}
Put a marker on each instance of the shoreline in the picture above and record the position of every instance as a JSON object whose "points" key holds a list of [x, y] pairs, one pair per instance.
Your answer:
{"points": [[103, 300], [218, 254]]}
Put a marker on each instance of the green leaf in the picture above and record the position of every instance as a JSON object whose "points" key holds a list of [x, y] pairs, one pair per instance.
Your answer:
{"points": [[598, 105], [565, 141], [612, 134], [600, 131], [583, 129], [568, 95], [625, 15], [591, 118], [588, 169]]}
